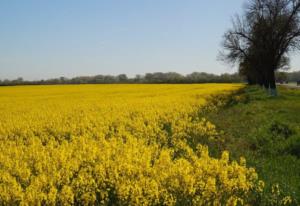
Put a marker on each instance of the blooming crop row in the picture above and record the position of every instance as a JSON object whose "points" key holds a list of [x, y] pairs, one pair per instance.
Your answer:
{"points": [[115, 144]]}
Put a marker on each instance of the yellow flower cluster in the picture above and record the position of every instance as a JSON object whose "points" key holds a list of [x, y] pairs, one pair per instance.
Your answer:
{"points": [[115, 144]]}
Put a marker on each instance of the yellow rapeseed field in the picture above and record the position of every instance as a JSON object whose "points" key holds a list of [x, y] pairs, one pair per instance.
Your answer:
{"points": [[115, 145]]}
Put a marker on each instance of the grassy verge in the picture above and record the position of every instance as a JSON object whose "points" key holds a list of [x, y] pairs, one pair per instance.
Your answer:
{"points": [[265, 130]]}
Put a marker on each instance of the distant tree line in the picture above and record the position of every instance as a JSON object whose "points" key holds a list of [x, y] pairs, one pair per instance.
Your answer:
{"points": [[283, 77], [148, 78], [293, 76]]}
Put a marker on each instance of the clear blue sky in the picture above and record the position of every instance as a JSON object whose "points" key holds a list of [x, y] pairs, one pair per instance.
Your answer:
{"points": [[45, 39]]}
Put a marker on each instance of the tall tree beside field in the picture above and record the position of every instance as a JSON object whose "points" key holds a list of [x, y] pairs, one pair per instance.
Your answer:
{"points": [[262, 38]]}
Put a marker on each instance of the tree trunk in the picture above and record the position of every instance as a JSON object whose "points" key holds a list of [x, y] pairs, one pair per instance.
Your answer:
{"points": [[266, 83], [260, 80], [272, 82]]}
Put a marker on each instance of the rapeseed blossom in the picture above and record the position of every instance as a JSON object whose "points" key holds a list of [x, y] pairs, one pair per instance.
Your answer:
{"points": [[120, 144]]}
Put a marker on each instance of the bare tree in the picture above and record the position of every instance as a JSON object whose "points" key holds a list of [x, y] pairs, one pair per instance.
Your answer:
{"points": [[263, 38]]}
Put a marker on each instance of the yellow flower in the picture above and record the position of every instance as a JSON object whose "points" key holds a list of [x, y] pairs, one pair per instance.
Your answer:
{"points": [[286, 200], [116, 144]]}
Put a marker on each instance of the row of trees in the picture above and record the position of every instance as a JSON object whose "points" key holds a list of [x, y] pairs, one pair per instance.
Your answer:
{"points": [[293, 76], [261, 40], [283, 76], [158, 77]]}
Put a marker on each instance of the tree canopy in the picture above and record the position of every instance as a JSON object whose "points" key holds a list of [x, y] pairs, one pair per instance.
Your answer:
{"points": [[262, 38]]}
